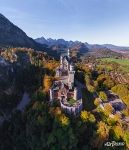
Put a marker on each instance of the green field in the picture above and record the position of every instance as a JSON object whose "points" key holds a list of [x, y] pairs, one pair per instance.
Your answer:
{"points": [[124, 62]]}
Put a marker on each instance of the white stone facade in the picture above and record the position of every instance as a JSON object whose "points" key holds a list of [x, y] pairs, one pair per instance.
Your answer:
{"points": [[64, 88]]}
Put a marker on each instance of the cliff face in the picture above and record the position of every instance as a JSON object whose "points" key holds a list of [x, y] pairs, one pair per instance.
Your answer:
{"points": [[11, 35]]}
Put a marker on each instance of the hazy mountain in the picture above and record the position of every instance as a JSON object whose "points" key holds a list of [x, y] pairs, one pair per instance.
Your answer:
{"points": [[114, 47], [52, 42], [71, 44], [11, 35], [61, 44]]}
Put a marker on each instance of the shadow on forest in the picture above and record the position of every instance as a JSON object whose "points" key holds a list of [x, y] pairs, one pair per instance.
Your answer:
{"points": [[88, 100]]}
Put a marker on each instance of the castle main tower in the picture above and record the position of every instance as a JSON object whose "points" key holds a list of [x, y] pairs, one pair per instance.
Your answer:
{"points": [[68, 53], [71, 76]]}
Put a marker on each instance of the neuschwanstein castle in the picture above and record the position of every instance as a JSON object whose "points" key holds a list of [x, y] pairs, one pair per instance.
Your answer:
{"points": [[66, 88]]}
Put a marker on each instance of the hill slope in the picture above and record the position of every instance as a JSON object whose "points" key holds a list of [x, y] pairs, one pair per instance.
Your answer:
{"points": [[11, 35]]}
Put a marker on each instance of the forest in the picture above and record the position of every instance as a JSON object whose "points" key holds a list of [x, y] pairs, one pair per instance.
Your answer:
{"points": [[42, 126]]}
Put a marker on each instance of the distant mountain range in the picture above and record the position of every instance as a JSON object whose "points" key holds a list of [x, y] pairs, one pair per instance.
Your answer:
{"points": [[11, 35], [55, 42]]}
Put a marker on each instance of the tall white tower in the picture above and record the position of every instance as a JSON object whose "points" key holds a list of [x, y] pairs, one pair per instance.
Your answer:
{"points": [[68, 52], [75, 93], [71, 77], [61, 61]]}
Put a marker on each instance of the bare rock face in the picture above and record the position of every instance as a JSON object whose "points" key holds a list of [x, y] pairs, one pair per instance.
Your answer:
{"points": [[11, 35]]}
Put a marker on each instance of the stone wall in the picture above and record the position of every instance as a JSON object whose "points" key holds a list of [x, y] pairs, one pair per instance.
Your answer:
{"points": [[75, 110]]}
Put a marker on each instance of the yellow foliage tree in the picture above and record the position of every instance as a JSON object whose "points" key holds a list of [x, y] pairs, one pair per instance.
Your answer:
{"points": [[117, 117], [47, 82], [51, 65], [103, 130], [118, 131], [96, 101], [92, 118], [87, 116], [64, 121], [84, 116], [103, 96], [108, 109], [102, 134], [126, 138]]}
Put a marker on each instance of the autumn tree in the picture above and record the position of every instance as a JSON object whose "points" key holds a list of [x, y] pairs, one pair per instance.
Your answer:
{"points": [[51, 64], [112, 121], [126, 112], [118, 132], [91, 118], [84, 116], [102, 134], [108, 109], [64, 121], [87, 117], [103, 96], [109, 83], [123, 92], [126, 138], [90, 88], [47, 82], [97, 102]]}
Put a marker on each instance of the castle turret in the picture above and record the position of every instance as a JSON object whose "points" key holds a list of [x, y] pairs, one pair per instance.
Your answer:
{"points": [[61, 61], [71, 76], [68, 53], [51, 95], [75, 93]]}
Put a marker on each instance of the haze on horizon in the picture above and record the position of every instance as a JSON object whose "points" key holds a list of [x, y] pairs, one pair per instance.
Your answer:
{"points": [[92, 21]]}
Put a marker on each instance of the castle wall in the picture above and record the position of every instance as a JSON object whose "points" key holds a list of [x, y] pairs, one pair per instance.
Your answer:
{"points": [[75, 110]]}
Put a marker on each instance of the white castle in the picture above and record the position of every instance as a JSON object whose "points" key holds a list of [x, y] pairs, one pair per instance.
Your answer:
{"points": [[64, 88]]}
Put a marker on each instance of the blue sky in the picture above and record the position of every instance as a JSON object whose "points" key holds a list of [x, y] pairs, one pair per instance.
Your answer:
{"points": [[92, 21]]}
